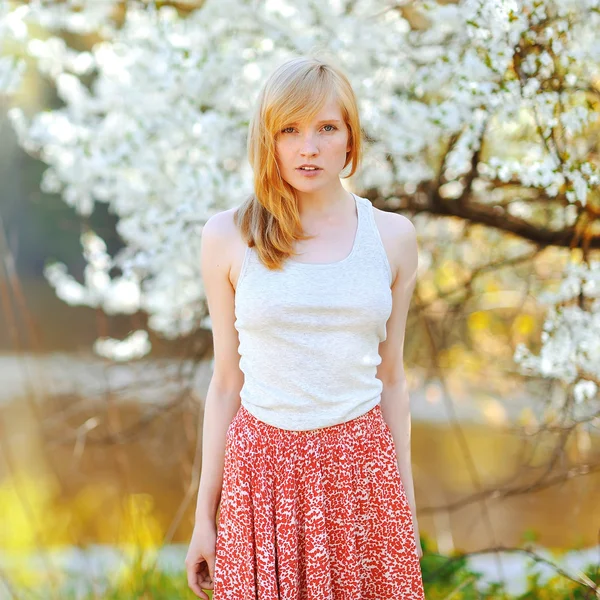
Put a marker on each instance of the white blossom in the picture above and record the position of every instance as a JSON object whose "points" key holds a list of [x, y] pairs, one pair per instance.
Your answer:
{"points": [[571, 338], [12, 68], [585, 390], [134, 346]]}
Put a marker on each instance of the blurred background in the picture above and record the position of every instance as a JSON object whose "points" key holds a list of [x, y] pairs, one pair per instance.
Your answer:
{"points": [[119, 137]]}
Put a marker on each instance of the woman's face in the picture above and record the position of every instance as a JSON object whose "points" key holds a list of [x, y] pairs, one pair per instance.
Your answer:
{"points": [[324, 142]]}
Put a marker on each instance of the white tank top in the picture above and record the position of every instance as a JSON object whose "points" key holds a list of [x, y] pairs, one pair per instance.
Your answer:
{"points": [[309, 335]]}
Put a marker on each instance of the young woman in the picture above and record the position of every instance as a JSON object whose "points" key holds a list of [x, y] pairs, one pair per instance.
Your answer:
{"points": [[306, 441]]}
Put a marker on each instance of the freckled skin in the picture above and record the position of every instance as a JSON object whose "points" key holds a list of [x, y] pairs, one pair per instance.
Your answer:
{"points": [[315, 514]]}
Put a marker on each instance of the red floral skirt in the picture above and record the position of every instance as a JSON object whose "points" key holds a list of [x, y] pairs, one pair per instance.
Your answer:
{"points": [[318, 514]]}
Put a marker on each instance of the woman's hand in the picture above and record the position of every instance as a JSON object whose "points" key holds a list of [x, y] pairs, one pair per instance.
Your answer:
{"points": [[200, 559]]}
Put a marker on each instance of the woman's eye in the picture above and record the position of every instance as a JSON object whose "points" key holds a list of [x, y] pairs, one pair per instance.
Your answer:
{"points": [[333, 128]]}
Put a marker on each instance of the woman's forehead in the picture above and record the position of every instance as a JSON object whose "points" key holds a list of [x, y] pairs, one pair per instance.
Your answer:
{"points": [[329, 112]]}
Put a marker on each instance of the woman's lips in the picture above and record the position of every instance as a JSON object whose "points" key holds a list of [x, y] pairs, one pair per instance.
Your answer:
{"points": [[312, 173]]}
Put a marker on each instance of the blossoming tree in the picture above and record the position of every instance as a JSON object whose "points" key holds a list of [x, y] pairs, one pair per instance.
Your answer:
{"points": [[485, 110]]}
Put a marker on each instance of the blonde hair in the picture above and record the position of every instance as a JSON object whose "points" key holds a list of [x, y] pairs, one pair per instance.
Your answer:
{"points": [[269, 219]]}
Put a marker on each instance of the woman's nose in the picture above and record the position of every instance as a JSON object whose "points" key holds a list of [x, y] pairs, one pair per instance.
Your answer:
{"points": [[308, 146]]}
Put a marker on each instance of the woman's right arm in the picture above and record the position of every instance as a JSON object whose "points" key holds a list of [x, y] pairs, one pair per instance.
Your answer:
{"points": [[223, 396], [222, 400]]}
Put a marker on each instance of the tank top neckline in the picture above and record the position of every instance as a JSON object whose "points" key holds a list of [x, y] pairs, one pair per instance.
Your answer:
{"points": [[348, 258]]}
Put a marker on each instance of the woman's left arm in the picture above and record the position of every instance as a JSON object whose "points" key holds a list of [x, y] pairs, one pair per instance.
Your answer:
{"points": [[401, 243]]}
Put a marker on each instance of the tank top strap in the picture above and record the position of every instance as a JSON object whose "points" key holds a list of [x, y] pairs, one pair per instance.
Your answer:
{"points": [[371, 243], [362, 228]]}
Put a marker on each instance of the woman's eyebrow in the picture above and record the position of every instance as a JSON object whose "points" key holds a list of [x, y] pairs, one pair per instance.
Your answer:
{"points": [[323, 121]]}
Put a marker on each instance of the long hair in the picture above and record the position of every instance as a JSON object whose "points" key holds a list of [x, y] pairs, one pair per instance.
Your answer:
{"points": [[269, 218]]}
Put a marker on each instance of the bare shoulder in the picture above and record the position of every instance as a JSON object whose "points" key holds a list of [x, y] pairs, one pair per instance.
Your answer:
{"points": [[399, 238], [395, 223], [223, 242], [220, 225]]}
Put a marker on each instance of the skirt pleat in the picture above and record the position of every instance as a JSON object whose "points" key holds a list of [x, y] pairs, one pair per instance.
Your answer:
{"points": [[314, 514]]}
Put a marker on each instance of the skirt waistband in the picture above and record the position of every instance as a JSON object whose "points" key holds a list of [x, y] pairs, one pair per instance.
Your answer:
{"points": [[371, 420]]}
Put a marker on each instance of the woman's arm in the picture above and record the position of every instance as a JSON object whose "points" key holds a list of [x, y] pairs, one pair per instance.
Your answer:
{"points": [[219, 410], [401, 243], [223, 396], [396, 412]]}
